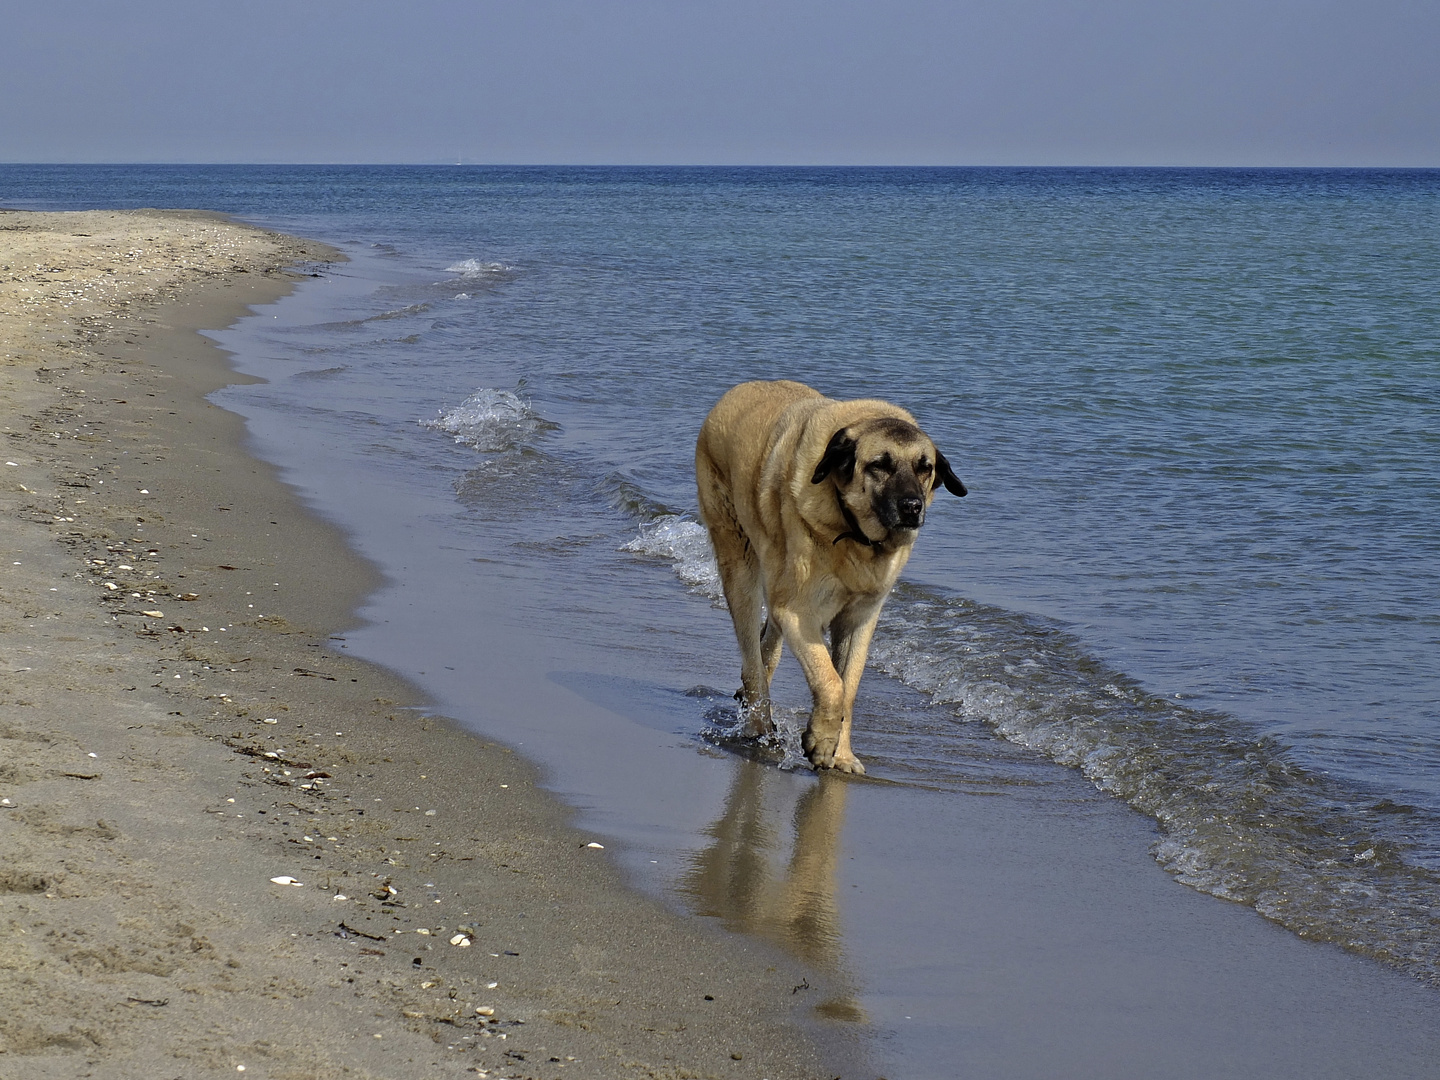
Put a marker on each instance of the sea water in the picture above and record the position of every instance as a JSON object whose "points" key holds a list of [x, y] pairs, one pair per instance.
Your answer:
{"points": [[1198, 412]]}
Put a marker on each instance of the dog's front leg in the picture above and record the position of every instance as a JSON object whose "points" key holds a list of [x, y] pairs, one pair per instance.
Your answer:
{"points": [[850, 634], [806, 638]]}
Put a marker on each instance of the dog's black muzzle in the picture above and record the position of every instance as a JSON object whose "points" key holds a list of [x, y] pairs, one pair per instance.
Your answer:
{"points": [[901, 512]]}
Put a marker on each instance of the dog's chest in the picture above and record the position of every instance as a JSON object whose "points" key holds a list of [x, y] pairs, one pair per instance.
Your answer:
{"points": [[836, 578]]}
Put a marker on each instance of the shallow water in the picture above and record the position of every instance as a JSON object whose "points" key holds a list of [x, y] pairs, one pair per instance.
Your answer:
{"points": [[1198, 415]]}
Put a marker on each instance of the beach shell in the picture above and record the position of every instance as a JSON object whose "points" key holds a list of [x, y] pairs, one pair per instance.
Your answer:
{"points": [[154, 614], [461, 941], [286, 879], [592, 844]]}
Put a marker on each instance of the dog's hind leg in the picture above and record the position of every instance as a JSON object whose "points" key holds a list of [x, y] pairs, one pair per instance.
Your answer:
{"points": [[770, 642], [740, 576], [744, 594]]}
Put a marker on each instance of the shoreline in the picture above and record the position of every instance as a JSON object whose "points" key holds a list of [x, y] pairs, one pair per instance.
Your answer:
{"points": [[159, 770]]}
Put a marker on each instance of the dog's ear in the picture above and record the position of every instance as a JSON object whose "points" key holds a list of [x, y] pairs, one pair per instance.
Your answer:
{"points": [[839, 458], [947, 476]]}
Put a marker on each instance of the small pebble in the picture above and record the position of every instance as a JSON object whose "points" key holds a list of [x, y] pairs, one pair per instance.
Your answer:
{"points": [[460, 940], [484, 1010]]}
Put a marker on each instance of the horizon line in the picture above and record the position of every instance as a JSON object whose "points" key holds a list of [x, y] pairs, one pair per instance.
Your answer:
{"points": [[436, 163]]}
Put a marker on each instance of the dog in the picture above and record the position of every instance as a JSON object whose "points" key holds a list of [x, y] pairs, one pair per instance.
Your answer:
{"points": [[812, 506]]}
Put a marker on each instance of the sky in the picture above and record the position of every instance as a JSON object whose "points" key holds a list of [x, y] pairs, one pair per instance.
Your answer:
{"points": [[802, 82]]}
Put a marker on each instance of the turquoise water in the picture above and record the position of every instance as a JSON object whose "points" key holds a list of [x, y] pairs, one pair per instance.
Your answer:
{"points": [[1198, 413]]}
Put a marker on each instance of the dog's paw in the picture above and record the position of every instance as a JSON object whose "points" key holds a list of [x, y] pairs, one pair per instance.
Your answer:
{"points": [[820, 749], [757, 717], [824, 753]]}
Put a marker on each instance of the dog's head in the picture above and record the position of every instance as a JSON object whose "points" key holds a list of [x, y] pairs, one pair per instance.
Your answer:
{"points": [[886, 471]]}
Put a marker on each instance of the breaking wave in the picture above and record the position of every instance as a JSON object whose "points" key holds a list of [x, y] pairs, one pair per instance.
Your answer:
{"points": [[490, 421], [686, 545], [474, 268]]}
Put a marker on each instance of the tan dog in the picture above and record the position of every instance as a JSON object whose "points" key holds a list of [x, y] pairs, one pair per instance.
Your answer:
{"points": [[812, 506]]}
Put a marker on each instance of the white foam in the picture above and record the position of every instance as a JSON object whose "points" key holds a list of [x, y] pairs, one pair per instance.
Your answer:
{"points": [[489, 420], [474, 268], [687, 545]]}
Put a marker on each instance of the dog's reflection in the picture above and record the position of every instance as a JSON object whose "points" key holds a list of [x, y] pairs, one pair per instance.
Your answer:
{"points": [[761, 877]]}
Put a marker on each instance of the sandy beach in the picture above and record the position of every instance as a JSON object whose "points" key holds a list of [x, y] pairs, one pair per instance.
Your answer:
{"points": [[226, 847]]}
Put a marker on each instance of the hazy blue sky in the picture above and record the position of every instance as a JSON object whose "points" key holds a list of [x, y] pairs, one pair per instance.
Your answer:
{"points": [[1207, 82]]}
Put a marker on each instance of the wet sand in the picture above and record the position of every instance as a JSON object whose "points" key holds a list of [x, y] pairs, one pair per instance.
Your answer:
{"points": [[177, 731]]}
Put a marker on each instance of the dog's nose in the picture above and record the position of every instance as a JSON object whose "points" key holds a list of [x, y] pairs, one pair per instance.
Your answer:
{"points": [[910, 510]]}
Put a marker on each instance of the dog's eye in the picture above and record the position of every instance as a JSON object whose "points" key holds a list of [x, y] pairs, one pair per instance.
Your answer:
{"points": [[924, 468], [880, 467]]}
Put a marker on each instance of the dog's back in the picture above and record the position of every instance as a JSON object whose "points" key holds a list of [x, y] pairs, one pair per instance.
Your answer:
{"points": [[735, 439]]}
